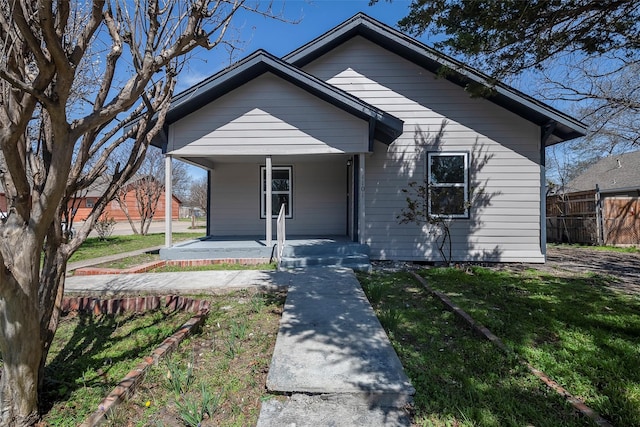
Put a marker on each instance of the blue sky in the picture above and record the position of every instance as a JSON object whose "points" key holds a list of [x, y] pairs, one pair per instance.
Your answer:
{"points": [[279, 38]]}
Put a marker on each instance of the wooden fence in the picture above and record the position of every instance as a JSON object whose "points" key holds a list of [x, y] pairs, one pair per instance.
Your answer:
{"points": [[622, 221], [588, 218], [571, 218]]}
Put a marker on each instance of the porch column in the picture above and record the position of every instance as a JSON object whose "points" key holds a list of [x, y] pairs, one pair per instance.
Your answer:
{"points": [[361, 213], [267, 203], [167, 201]]}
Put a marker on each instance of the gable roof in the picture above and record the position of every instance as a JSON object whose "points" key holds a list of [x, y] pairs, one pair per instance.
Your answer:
{"points": [[616, 172], [557, 126], [386, 127]]}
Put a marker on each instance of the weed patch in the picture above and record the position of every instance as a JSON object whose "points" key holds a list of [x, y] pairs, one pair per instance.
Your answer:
{"points": [[90, 355], [217, 377], [197, 385]]}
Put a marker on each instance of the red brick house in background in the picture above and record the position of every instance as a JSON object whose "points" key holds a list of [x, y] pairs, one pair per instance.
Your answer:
{"points": [[84, 205]]}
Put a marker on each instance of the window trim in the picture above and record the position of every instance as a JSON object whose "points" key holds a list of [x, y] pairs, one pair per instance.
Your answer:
{"points": [[263, 190], [464, 185]]}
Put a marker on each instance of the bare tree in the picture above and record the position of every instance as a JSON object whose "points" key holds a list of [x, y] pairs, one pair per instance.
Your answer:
{"points": [[135, 50], [139, 199], [198, 194], [604, 93], [180, 179]]}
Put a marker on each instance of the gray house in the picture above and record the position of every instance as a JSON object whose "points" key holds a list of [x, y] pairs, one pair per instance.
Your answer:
{"points": [[342, 124]]}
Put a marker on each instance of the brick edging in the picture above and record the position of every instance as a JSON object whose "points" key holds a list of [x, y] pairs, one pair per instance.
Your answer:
{"points": [[138, 304], [144, 268], [483, 331], [127, 386]]}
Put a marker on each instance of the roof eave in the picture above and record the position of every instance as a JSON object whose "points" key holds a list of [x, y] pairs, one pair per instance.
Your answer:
{"points": [[567, 128]]}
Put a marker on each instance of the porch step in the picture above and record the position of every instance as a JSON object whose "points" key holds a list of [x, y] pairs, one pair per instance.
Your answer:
{"points": [[341, 254], [324, 248]]}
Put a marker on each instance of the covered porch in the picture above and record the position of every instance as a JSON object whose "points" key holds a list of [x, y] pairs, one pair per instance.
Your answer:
{"points": [[271, 136]]}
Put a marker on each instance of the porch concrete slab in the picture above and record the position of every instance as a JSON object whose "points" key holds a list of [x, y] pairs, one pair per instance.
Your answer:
{"points": [[176, 282], [331, 342], [232, 247]]}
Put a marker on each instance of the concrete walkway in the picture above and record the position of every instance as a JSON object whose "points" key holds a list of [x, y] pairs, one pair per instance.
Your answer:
{"points": [[193, 282], [332, 358]]}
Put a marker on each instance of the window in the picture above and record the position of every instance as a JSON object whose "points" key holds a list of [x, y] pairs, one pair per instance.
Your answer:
{"points": [[89, 202], [448, 179], [280, 191]]}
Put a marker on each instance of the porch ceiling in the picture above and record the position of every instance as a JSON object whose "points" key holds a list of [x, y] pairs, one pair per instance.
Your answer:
{"points": [[210, 161]]}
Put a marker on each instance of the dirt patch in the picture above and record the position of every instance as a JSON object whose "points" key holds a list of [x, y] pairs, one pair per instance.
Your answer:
{"points": [[623, 267]]}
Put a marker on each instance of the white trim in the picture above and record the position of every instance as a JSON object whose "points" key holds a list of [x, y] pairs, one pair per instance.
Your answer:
{"points": [[464, 185], [263, 208], [267, 218]]}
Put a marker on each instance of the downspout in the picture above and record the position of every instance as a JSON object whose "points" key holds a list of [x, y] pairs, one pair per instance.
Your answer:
{"points": [[547, 131], [355, 198], [361, 198], [167, 201]]}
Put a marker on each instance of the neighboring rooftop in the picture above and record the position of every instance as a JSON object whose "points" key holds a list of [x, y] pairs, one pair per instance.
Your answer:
{"points": [[615, 172]]}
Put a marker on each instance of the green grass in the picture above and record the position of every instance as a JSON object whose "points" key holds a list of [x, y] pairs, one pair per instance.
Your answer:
{"points": [[629, 249], [460, 379], [583, 335], [93, 247], [90, 355], [131, 261]]}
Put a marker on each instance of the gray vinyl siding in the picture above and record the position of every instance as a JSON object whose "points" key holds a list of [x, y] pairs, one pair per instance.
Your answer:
{"points": [[439, 116], [268, 116], [319, 198]]}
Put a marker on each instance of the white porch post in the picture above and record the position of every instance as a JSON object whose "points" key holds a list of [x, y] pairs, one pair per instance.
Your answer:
{"points": [[361, 184], [167, 201], [267, 203]]}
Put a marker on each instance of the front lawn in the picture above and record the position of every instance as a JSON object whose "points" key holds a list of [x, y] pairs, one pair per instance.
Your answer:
{"points": [[94, 247], [581, 334]]}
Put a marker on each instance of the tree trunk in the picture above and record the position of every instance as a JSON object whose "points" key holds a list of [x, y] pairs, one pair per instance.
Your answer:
{"points": [[51, 292], [20, 339]]}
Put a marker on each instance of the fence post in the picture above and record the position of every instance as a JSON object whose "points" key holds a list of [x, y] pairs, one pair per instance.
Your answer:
{"points": [[599, 220]]}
